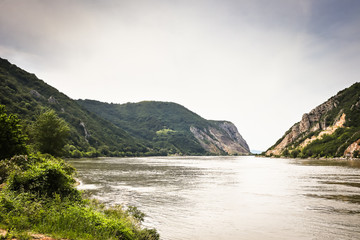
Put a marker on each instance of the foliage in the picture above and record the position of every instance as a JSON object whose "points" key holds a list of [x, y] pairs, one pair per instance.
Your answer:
{"points": [[27, 96], [40, 196], [136, 213], [164, 127], [47, 179], [165, 132], [19, 163], [12, 138], [50, 133], [332, 145], [124, 130], [346, 101]]}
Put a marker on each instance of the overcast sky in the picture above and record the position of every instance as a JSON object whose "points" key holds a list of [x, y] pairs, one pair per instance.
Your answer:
{"points": [[258, 63]]}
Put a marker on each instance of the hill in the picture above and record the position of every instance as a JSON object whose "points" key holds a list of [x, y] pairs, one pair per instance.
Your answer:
{"points": [[133, 129], [171, 127], [332, 129], [27, 96]]}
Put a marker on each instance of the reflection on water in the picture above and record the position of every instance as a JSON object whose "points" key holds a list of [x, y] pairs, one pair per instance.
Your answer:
{"points": [[232, 197]]}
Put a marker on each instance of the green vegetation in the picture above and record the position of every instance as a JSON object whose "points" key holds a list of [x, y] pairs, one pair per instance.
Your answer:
{"points": [[100, 129], [163, 127], [38, 195], [50, 133], [332, 145], [27, 96], [348, 102], [165, 131], [12, 138]]}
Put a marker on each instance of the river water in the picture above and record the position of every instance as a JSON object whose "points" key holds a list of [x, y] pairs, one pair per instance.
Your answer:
{"points": [[215, 198]]}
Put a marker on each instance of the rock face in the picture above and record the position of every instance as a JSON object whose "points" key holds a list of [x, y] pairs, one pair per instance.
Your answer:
{"points": [[170, 127], [332, 129], [310, 122], [35, 93], [86, 133], [53, 100], [355, 146], [225, 138]]}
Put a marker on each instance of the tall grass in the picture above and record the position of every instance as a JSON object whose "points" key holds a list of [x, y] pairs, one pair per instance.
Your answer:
{"points": [[29, 203]]}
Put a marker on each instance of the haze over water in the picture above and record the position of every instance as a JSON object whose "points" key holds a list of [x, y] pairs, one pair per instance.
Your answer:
{"points": [[232, 197]]}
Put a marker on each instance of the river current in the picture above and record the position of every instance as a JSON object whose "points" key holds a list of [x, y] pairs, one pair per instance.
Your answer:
{"points": [[245, 197]]}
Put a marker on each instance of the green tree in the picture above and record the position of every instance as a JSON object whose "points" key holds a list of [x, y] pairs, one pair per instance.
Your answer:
{"points": [[50, 133], [12, 138]]}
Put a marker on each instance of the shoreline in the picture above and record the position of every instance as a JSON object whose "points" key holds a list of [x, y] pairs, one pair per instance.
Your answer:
{"points": [[322, 158]]}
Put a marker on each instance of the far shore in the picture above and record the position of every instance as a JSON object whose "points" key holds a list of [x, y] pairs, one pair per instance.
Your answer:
{"points": [[322, 158]]}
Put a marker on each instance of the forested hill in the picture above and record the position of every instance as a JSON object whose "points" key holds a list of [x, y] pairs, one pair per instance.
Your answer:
{"points": [[141, 129], [332, 129], [170, 126], [27, 96]]}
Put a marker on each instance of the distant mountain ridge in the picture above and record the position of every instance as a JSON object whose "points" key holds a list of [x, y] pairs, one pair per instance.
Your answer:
{"points": [[332, 129], [171, 126], [144, 129], [27, 96]]}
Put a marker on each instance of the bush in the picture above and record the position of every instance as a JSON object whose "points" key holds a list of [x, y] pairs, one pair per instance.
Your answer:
{"points": [[15, 163], [40, 196], [12, 138], [45, 179], [50, 133], [63, 218]]}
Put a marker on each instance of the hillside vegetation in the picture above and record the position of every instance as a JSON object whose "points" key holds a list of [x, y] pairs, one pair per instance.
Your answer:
{"points": [[332, 129], [102, 129], [38, 193], [27, 96], [166, 126]]}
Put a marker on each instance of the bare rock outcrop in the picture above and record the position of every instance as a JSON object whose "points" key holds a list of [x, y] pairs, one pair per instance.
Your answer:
{"points": [[310, 122], [221, 138], [53, 100], [355, 146], [35, 94], [86, 133]]}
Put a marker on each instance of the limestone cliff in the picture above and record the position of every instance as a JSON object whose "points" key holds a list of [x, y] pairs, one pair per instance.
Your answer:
{"points": [[170, 128], [326, 131], [223, 138], [310, 122]]}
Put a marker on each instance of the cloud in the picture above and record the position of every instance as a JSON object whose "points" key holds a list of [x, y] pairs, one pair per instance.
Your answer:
{"points": [[260, 64]]}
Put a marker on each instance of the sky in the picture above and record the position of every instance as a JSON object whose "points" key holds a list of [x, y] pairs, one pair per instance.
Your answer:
{"points": [[260, 64]]}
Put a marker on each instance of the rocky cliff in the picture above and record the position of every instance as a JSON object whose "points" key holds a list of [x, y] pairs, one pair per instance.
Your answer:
{"points": [[326, 131], [216, 141], [170, 127]]}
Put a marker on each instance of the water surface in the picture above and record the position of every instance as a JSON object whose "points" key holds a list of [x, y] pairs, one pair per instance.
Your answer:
{"points": [[232, 197]]}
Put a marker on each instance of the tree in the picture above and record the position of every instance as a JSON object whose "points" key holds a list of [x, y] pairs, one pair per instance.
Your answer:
{"points": [[50, 133], [12, 138]]}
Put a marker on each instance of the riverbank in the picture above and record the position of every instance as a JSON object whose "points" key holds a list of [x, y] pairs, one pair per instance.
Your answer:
{"points": [[322, 158], [249, 198], [30, 236], [38, 195]]}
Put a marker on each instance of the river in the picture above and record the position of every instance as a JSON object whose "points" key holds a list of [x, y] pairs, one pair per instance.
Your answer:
{"points": [[229, 198]]}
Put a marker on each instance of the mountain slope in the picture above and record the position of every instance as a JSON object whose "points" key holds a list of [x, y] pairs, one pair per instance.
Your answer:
{"points": [[171, 127], [25, 95], [332, 129], [139, 129]]}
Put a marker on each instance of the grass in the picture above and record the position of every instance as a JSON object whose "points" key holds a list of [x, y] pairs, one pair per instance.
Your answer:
{"points": [[32, 202]]}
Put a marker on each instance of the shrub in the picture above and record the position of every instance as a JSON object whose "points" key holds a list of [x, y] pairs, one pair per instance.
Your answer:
{"points": [[40, 196], [50, 133], [45, 179], [12, 138]]}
